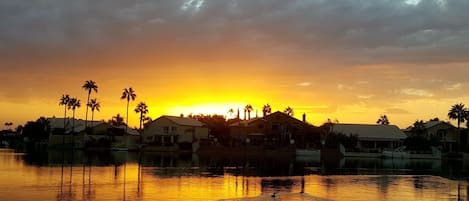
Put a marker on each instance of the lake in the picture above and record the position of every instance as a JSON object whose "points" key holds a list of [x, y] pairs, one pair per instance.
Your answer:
{"points": [[58, 175]]}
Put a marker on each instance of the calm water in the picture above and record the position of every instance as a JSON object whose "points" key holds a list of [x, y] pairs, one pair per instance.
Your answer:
{"points": [[132, 176]]}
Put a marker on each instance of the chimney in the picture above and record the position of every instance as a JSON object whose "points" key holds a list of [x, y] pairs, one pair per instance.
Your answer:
{"points": [[304, 117]]}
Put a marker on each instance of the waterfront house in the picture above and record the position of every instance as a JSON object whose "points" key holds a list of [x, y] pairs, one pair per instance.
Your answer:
{"points": [[372, 137], [276, 129], [97, 132], [174, 133], [446, 133]]}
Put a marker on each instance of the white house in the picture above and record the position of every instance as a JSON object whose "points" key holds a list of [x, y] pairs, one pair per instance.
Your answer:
{"points": [[170, 130], [372, 136]]}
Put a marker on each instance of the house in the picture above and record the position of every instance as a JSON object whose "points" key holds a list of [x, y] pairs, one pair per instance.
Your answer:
{"points": [[372, 137], [276, 129], [173, 131], [97, 132], [446, 133]]}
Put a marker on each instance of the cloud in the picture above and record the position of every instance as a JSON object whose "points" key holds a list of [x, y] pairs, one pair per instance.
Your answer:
{"points": [[416, 92]]}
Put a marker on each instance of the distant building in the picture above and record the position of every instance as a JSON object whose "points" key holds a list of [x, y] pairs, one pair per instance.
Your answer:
{"points": [[276, 129], [174, 131], [444, 131], [372, 137]]}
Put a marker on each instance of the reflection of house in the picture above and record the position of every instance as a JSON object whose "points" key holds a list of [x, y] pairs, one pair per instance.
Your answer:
{"points": [[173, 131], [443, 131], [372, 138], [275, 129]]}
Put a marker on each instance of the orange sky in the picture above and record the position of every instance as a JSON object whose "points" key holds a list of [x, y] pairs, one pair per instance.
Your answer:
{"points": [[342, 61]]}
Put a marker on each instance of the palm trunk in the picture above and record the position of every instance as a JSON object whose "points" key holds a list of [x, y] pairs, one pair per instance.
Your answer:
{"points": [[86, 114], [141, 120], [65, 122], [73, 120], [127, 117], [92, 118]]}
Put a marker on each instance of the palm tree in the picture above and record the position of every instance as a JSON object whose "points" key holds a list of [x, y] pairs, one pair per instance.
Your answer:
{"points": [[117, 120], [141, 108], [89, 86], [94, 105], [383, 120], [289, 111], [231, 112], [64, 101], [73, 104], [128, 94], [266, 110], [248, 108], [459, 113]]}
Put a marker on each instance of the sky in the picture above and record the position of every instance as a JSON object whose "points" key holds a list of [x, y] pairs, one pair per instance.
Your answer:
{"points": [[345, 60]]}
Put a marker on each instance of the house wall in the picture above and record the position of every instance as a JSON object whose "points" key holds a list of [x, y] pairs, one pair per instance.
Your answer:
{"points": [[184, 133], [445, 132]]}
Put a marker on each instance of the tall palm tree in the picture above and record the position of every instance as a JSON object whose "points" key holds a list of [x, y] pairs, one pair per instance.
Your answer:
{"points": [[289, 111], [141, 108], [64, 101], [128, 94], [73, 104], [248, 108], [266, 110], [89, 86], [459, 113], [383, 120], [94, 105]]}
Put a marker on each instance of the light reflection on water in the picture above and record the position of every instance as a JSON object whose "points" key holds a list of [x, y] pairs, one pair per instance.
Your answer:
{"points": [[56, 175]]}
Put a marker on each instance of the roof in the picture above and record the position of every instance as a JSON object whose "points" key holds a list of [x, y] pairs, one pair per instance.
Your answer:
{"points": [[370, 131], [184, 121], [430, 124], [243, 122], [79, 124]]}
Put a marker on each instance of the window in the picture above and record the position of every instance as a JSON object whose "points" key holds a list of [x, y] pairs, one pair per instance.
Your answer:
{"points": [[174, 129], [166, 129], [275, 127]]}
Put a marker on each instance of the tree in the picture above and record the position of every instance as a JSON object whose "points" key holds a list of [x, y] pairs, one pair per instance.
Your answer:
{"points": [[64, 101], [89, 86], [266, 110], [248, 108], [128, 94], [8, 125], [383, 120], [94, 105], [459, 113], [73, 104], [141, 108], [418, 128], [231, 112], [117, 120], [289, 111]]}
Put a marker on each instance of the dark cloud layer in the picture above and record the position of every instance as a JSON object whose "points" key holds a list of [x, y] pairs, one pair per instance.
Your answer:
{"points": [[351, 32]]}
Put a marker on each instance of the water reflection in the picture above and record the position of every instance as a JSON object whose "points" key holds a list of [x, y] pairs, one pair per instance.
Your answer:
{"points": [[55, 175]]}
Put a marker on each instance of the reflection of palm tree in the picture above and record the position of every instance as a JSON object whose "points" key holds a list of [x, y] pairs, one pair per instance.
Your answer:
{"points": [[289, 111], [248, 108], [141, 108], [64, 101], [73, 104], [94, 105], [89, 86], [383, 120], [128, 94], [266, 110]]}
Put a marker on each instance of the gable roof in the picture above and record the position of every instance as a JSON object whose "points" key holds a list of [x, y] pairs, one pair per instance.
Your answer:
{"points": [[56, 123], [183, 121], [370, 131], [430, 124], [243, 122]]}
